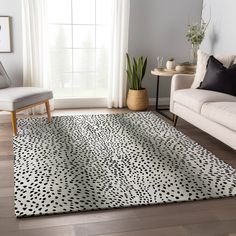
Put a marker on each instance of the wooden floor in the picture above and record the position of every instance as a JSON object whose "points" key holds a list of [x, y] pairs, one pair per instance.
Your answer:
{"points": [[211, 217]]}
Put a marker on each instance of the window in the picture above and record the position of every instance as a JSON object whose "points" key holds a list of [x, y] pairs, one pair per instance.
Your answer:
{"points": [[79, 38]]}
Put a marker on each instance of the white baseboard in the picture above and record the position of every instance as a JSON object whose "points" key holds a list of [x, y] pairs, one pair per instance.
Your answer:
{"points": [[164, 101], [98, 102], [4, 113], [80, 103], [93, 103]]}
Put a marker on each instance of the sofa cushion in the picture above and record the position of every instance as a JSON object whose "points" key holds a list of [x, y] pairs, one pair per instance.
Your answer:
{"points": [[195, 98], [14, 98], [227, 60], [219, 78], [223, 113], [3, 82]]}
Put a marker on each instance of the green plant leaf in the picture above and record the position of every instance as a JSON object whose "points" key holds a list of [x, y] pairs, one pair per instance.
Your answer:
{"points": [[129, 76], [135, 64], [135, 82], [140, 66], [144, 68], [129, 71], [129, 62], [136, 69]]}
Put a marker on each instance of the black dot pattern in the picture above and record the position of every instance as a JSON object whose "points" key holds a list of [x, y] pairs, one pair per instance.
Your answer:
{"points": [[89, 162]]}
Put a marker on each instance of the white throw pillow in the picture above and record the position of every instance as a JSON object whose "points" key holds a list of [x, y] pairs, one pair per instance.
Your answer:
{"points": [[3, 82], [202, 59], [4, 79]]}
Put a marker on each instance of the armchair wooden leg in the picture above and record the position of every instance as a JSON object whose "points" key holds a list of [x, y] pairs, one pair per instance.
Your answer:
{"points": [[13, 122], [175, 120], [48, 111]]}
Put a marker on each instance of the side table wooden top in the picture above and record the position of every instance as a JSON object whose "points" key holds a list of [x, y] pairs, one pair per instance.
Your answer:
{"points": [[166, 72]]}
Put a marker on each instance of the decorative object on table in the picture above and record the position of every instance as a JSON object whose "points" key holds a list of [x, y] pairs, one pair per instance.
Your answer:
{"points": [[195, 35], [5, 34], [170, 64], [159, 62], [133, 159], [137, 99], [186, 67]]}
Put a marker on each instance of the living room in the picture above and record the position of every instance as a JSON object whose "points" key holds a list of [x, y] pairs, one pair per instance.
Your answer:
{"points": [[117, 117]]}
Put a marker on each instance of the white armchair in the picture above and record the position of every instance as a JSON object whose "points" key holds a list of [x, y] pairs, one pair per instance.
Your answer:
{"points": [[15, 99]]}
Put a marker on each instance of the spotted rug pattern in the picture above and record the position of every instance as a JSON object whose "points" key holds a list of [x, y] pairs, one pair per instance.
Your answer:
{"points": [[90, 162]]}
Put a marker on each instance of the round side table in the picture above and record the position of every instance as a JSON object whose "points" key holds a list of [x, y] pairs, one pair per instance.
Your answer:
{"points": [[165, 73]]}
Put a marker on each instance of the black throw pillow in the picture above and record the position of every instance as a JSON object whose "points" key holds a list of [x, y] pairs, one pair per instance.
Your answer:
{"points": [[219, 78]]}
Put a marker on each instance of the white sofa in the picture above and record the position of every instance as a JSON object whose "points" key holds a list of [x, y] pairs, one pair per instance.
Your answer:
{"points": [[213, 112]]}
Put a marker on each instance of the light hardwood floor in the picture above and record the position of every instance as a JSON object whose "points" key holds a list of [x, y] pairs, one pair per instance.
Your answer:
{"points": [[211, 217]]}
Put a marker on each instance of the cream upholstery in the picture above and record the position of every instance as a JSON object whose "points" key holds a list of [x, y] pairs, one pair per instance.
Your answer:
{"points": [[224, 134], [15, 98], [195, 98], [179, 82], [213, 112], [221, 112]]}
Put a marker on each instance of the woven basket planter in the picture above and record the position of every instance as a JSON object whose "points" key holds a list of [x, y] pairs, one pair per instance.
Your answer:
{"points": [[137, 100]]}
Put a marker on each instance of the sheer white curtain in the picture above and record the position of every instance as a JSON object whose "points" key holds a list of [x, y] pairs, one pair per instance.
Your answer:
{"points": [[37, 71], [35, 53], [117, 80]]}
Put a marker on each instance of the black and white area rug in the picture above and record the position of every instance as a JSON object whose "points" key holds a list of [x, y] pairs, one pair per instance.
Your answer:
{"points": [[89, 162]]}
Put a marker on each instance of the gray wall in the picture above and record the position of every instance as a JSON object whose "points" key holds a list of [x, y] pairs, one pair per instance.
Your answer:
{"points": [[158, 27], [221, 34], [13, 61]]}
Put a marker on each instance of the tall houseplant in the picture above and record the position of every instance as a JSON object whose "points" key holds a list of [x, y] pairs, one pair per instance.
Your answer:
{"points": [[137, 99]]}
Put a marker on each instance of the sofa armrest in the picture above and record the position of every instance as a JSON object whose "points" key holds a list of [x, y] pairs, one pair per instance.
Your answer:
{"points": [[181, 81]]}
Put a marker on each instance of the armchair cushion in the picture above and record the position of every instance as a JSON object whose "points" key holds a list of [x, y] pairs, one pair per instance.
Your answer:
{"points": [[4, 79], [3, 82], [15, 98]]}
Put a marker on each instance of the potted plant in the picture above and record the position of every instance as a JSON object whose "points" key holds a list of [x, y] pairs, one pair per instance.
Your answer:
{"points": [[137, 99], [170, 64], [195, 35]]}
